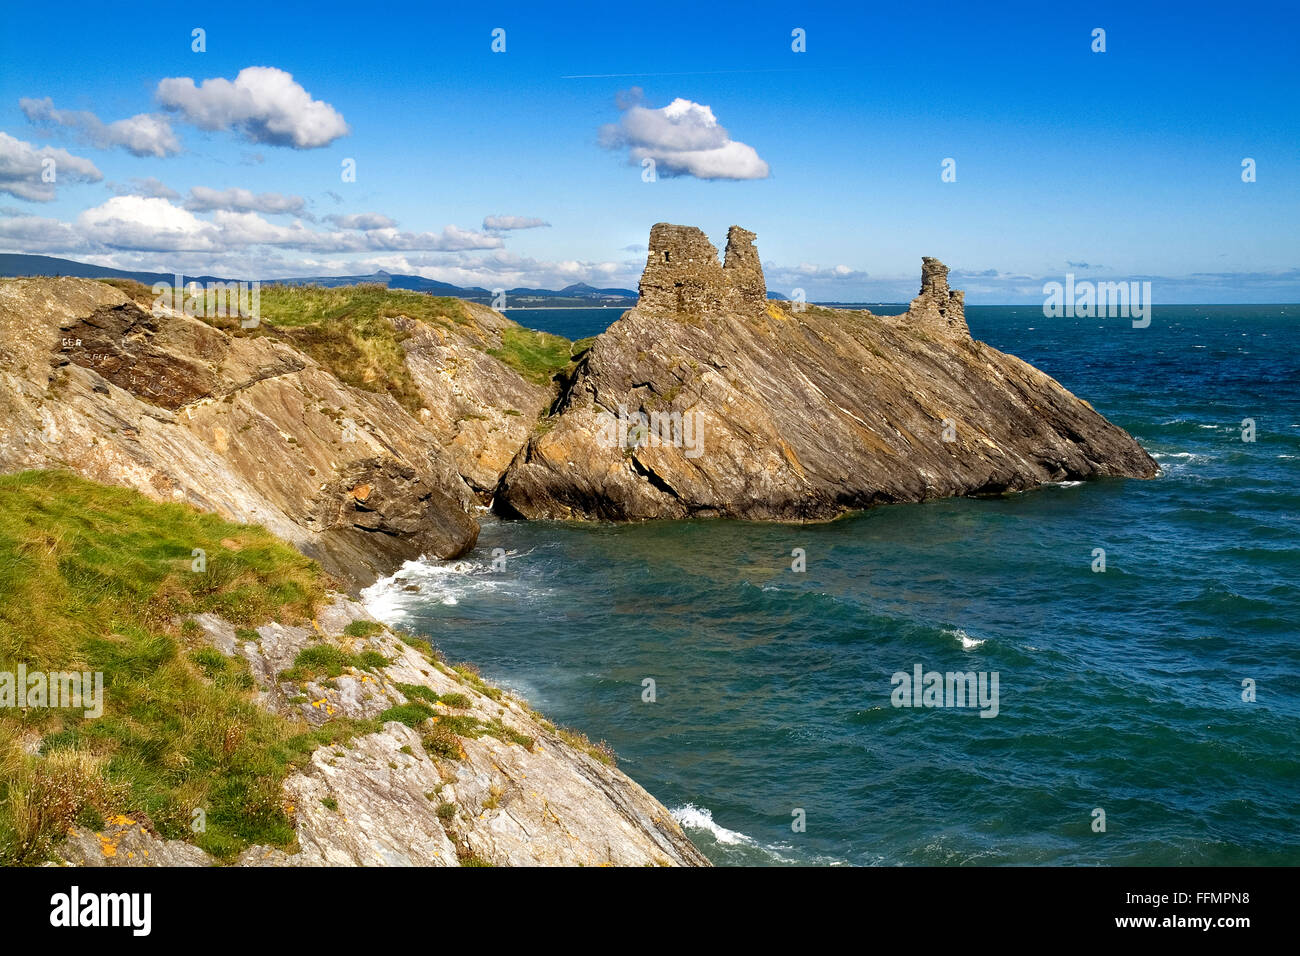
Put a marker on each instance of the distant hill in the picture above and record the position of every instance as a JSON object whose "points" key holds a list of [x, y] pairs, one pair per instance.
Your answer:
{"points": [[16, 264], [577, 295]]}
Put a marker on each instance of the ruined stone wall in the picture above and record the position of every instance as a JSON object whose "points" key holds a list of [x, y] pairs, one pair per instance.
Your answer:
{"points": [[683, 276], [937, 306], [744, 271]]}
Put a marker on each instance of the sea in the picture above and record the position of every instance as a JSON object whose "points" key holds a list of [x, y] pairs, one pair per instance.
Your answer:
{"points": [[1145, 634]]}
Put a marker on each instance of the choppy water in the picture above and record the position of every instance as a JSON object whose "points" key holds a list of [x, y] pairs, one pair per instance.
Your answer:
{"points": [[1119, 690]]}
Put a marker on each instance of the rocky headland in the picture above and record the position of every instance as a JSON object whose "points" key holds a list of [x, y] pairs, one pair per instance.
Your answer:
{"points": [[709, 400]]}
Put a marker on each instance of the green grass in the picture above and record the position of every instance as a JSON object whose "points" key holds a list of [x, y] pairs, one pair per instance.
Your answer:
{"points": [[420, 692], [470, 675], [579, 741], [537, 356], [363, 629], [412, 714], [98, 578], [350, 332], [326, 660]]}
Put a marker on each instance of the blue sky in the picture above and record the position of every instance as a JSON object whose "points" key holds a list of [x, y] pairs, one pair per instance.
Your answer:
{"points": [[1117, 165]]}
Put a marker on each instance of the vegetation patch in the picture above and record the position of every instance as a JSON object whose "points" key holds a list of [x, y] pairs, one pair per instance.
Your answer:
{"points": [[349, 330], [537, 356], [412, 714], [326, 661], [363, 629], [94, 578], [470, 675], [579, 741], [421, 692]]}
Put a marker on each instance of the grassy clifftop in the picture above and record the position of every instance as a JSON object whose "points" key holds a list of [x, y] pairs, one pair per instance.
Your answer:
{"points": [[348, 330], [94, 578]]}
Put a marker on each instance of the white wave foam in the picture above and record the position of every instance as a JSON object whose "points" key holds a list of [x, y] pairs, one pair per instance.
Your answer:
{"points": [[701, 818], [421, 583], [1189, 456], [968, 643]]}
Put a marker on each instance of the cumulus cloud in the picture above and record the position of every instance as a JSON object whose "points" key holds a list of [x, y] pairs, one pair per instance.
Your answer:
{"points": [[204, 199], [23, 169], [451, 239], [683, 138], [145, 134], [507, 223], [362, 220], [31, 234], [264, 104], [147, 223]]}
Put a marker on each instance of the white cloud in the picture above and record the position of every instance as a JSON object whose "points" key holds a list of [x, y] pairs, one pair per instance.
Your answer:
{"points": [[499, 269], [204, 198], [154, 224], [249, 229], [824, 282], [22, 168], [362, 220], [684, 139], [32, 234], [451, 239], [145, 134], [147, 223], [263, 103], [507, 223]]}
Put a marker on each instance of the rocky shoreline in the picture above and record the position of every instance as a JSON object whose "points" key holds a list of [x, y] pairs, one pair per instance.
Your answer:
{"points": [[497, 784]]}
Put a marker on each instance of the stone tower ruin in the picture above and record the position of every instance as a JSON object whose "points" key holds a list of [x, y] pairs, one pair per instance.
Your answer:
{"points": [[683, 276]]}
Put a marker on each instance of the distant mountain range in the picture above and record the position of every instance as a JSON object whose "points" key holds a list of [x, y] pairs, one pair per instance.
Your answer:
{"points": [[578, 295]]}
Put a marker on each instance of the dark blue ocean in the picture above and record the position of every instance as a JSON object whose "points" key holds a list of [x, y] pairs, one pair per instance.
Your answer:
{"points": [[1119, 691]]}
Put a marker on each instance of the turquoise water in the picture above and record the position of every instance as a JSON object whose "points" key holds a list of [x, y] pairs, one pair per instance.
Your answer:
{"points": [[1119, 690]]}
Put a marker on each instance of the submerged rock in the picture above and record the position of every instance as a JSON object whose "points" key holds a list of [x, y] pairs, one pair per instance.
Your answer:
{"points": [[709, 400]]}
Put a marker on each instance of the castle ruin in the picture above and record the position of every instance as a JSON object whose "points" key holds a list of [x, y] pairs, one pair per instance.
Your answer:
{"points": [[683, 277]]}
